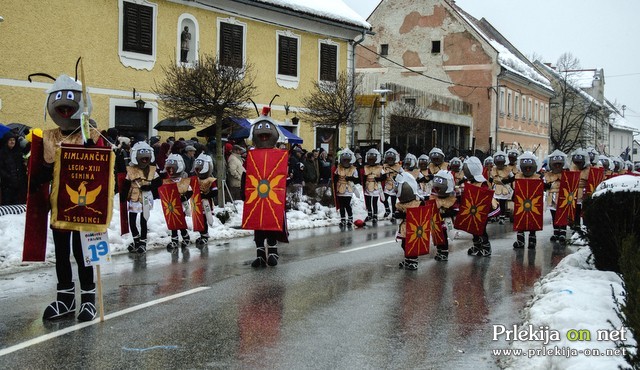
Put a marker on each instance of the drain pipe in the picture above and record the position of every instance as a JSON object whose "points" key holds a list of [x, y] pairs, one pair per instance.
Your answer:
{"points": [[351, 124]]}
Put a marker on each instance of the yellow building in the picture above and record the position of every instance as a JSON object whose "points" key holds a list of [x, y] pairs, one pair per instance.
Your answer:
{"points": [[125, 44]]}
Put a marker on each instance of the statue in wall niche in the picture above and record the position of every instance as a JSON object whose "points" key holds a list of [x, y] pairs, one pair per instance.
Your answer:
{"points": [[185, 38]]}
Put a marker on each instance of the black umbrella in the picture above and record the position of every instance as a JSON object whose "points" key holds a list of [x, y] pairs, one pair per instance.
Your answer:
{"points": [[19, 128], [174, 125]]}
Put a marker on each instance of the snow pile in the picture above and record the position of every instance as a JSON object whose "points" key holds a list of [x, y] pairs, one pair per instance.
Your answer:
{"points": [[572, 299], [617, 184]]}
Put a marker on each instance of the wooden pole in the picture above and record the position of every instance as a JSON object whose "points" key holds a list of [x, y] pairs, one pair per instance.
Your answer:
{"points": [[100, 300]]}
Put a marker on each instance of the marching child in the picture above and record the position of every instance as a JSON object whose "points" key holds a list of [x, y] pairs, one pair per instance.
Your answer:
{"points": [[407, 198], [203, 168], [175, 173], [346, 174], [392, 168], [473, 172], [140, 183], [373, 176], [528, 166], [443, 193], [502, 177], [557, 163]]}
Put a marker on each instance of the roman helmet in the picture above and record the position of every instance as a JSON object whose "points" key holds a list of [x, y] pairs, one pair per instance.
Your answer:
{"points": [[455, 164], [203, 166], [618, 164], [579, 157], [528, 163], [593, 155], [372, 157], [407, 187], [488, 162], [174, 166], [500, 159], [443, 184], [472, 169], [605, 161], [347, 158], [264, 131], [410, 162], [142, 154], [512, 155], [436, 155], [557, 161], [423, 162], [391, 157]]}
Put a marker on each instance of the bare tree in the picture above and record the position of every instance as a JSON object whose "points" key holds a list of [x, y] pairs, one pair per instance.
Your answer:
{"points": [[332, 104], [407, 119], [574, 113], [207, 92]]}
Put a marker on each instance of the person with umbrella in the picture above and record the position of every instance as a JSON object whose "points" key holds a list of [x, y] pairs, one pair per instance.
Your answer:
{"points": [[13, 173]]}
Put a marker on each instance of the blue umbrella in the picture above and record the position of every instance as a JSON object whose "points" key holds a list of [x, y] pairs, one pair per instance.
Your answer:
{"points": [[3, 130]]}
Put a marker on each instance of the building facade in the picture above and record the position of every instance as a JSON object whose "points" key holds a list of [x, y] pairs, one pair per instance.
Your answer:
{"points": [[124, 45], [436, 47]]}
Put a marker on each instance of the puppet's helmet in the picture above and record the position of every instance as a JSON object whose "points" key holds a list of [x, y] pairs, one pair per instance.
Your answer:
{"points": [[443, 184], [407, 187], [512, 155], [579, 158], [410, 162], [423, 162], [391, 157], [472, 168], [174, 165], [142, 154], [347, 158], [372, 157], [264, 131], [557, 161], [65, 103], [203, 166], [455, 164], [593, 155], [500, 159], [606, 163], [437, 156], [528, 163]]}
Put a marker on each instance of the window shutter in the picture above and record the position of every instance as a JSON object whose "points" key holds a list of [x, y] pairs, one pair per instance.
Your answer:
{"points": [[288, 56], [138, 28], [328, 62], [231, 42]]}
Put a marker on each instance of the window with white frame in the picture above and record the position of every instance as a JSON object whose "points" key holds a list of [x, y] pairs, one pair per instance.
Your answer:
{"points": [[529, 104], [524, 107], [536, 115], [509, 112], [501, 103], [137, 33], [231, 42], [516, 105], [288, 59], [328, 64]]}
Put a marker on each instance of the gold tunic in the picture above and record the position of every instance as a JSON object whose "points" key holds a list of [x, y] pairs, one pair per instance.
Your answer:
{"points": [[370, 173], [392, 172], [344, 186], [138, 178], [402, 207], [501, 191]]}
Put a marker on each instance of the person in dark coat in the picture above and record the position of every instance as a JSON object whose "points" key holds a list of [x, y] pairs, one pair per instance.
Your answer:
{"points": [[13, 173]]}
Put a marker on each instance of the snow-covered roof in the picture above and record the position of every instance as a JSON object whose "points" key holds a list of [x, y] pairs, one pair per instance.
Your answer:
{"points": [[584, 78], [335, 10], [617, 121], [572, 84], [508, 56]]}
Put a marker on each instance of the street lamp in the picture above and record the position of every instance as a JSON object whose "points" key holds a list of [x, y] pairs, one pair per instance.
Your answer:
{"points": [[383, 91]]}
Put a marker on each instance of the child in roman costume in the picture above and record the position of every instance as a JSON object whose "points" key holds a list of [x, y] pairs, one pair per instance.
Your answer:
{"points": [[373, 176], [407, 198], [392, 168], [528, 167], [140, 183], [473, 172], [203, 168], [175, 173], [346, 174], [455, 167], [580, 162], [410, 165], [557, 162], [424, 186], [444, 194], [436, 155], [502, 177]]}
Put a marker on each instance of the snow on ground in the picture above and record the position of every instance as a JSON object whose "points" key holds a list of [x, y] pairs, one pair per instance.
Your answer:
{"points": [[573, 298]]}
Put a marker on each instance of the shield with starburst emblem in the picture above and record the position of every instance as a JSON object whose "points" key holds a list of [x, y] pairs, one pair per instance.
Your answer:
{"points": [[567, 198], [197, 213], [475, 206], [265, 190], [596, 175], [172, 206], [418, 231], [528, 204], [436, 223]]}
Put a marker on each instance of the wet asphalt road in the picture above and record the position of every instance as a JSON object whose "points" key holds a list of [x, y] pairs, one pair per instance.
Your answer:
{"points": [[337, 300]]}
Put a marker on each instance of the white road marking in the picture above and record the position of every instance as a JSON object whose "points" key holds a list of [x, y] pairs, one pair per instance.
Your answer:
{"points": [[43, 338], [366, 246]]}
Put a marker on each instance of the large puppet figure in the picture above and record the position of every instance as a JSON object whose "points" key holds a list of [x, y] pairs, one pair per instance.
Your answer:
{"points": [[65, 104], [264, 190], [140, 183]]}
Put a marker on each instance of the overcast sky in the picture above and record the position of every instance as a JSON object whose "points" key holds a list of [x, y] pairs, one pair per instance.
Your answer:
{"points": [[601, 34]]}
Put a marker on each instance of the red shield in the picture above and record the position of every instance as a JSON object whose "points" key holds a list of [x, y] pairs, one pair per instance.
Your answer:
{"points": [[35, 226], [567, 197], [265, 190], [418, 231], [528, 204], [197, 213], [436, 223], [596, 175], [172, 206], [475, 206], [124, 212]]}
